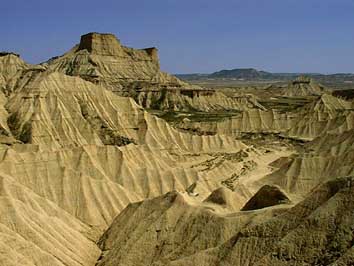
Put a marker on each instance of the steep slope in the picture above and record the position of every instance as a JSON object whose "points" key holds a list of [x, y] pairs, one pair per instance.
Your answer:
{"points": [[333, 143], [5, 133], [227, 199], [328, 114], [303, 86], [266, 196], [251, 120], [101, 58], [12, 71], [324, 114], [71, 121], [326, 157], [56, 110], [317, 231], [10, 66], [89, 153], [35, 231], [172, 230], [195, 99], [88, 177], [166, 228]]}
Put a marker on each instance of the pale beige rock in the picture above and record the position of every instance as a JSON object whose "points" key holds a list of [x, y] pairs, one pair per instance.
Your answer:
{"points": [[326, 114], [327, 156], [83, 168], [167, 228], [64, 158], [195, 98], [303, 86], [101, 58], [314, 232], [10, 66], [226, 198]]}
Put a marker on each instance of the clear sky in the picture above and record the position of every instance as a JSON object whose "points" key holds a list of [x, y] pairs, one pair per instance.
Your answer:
{"points": [[193, 35]]}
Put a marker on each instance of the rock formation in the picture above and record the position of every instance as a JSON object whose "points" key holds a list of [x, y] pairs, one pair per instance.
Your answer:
{"points": [[89, 177], [169, 228], [317, 231], [101, 59], [303, 86], [325, 114], [11, 65], [325, 157], [80, 154], [266, 196], [227, 198]]}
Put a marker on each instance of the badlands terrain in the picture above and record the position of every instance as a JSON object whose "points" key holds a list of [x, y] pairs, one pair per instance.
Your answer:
{"points": [[106, 160]]}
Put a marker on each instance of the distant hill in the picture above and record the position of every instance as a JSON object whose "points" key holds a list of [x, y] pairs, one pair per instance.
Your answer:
{"points": [[241, 73], [254, 74]]}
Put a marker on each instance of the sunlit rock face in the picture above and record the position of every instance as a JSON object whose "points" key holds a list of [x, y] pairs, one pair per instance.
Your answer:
{"points": [[89, 177], [100, 58]]}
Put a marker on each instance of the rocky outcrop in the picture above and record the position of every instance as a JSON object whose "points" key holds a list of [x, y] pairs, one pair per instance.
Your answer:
{"points": [[169, 227], [88, 153], [8, 53], [302, 87], [327, 114], [54, 110], [265, 197], [101, 59], [227, 199], [11, 67], [327, 156], [100, 44], [81, 165], [195, 99], [250, 120], [321, 224]]}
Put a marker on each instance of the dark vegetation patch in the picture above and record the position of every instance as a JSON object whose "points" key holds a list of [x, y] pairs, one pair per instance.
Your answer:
{"points": [[347, 94], [23, 132], [264, 139], [286, 104], [107, 135]]}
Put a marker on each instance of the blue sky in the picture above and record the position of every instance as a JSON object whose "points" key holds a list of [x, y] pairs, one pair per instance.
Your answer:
{"points": [[193, 36]]}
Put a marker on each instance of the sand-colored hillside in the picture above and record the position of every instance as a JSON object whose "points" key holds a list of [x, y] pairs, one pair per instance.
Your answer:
{"points": [[303, 86], [88, 153], [169, 228], [102, 59], [272, 236], [10, 66], [195, 99], [325, 114], [326, 157], [314, 232], [90, 176]]}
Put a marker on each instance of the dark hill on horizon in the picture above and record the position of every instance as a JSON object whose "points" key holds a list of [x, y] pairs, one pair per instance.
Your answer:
{"points": [[253, 74], [241, 73]]}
